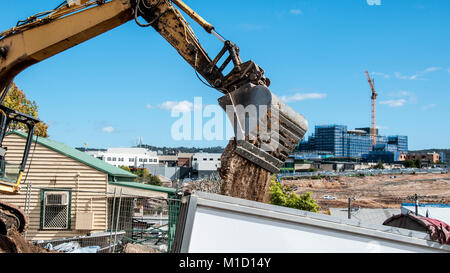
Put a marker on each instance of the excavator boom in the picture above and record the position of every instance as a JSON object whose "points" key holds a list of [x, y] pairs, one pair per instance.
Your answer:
{"points": [[264, 138]]}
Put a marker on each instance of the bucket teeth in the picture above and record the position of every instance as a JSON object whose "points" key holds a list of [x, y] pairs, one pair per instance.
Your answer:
{"points": [[267, 130]]}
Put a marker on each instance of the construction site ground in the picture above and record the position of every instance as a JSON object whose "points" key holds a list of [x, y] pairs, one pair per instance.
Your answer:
{"points": [[381, 191]]}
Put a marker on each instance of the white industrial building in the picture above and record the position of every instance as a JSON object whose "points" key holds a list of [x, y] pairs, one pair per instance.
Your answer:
{"points": [[206, 161], [205, 164], [130, 157]]}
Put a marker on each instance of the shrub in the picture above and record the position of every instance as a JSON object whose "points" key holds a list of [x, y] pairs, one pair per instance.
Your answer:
{"points": [[286, 197]]}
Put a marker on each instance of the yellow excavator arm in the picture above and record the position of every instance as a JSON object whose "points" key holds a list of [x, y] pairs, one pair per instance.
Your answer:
{"points": [[46, 34], [75, 21], [43, 35], [39, 38]]}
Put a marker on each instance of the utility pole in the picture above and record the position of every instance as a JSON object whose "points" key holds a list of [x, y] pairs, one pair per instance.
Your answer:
{"points": [[416, 198], [350, 207]]}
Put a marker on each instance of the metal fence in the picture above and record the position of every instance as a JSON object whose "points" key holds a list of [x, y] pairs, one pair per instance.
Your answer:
{"points": [[100, 222], [367, 172]]}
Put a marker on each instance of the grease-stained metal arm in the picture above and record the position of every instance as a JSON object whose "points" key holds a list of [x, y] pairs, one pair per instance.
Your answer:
{"points": [[46, 34]]}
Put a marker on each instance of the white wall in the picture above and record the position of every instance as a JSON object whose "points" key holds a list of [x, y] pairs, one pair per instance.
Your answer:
{"points": [[132, 157], [206, 161], [230, 225]]}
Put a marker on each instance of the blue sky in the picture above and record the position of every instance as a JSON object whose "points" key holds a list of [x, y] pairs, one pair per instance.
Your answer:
{"points": [[117, 87]]}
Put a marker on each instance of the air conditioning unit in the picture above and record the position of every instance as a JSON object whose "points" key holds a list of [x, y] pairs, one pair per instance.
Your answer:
{"points": [[56, 198], [84, 221]]}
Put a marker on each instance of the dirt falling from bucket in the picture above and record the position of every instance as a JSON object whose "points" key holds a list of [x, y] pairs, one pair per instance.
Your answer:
{"points": [[242, 178]]}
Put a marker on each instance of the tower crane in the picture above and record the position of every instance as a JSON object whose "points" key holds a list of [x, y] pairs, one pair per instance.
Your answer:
{"points": [[373, 128]]}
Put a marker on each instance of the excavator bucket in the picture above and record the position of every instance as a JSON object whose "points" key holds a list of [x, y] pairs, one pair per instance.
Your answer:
{"points": [[266, 129]]}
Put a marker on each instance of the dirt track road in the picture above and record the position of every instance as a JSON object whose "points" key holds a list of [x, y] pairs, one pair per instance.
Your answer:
{"points": [[382, 191]]}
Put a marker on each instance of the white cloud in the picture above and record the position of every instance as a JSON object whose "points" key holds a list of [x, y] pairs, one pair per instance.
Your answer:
{"points": [[303, 96], [108, 129], [418, 75], [381, 127], [386, 76], [400, 76], [296, 11], [394, 103], [149, 106], [429, 106], [431, 69], [400, 94], [408, 96], [178, 106]]}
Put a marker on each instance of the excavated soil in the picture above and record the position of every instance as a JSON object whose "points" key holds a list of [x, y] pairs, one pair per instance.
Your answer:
{"points": [[16, 243], [242, 178], [381, 191], [134, 248]]}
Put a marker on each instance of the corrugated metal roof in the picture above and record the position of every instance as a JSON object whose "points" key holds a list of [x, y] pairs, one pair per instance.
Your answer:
{"points": [[114, 173], [144, 187], [365, 215]]}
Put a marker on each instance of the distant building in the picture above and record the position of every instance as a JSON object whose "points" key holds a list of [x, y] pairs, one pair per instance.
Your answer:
{"points": [[185, 160], [425, 157], [342, 142], [168, 160], [205, 164], [130, 157]]}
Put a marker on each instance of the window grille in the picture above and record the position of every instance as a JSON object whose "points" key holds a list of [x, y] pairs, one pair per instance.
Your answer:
{"points": [[55, 210]]}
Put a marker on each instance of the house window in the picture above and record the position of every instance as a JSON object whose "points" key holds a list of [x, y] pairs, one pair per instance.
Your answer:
{"points": [[108, 159], [55, 209], [131, 159]]}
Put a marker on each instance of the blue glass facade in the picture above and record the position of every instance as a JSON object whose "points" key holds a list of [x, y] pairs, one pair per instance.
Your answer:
{"points": [[342, 142], [400, 141]]}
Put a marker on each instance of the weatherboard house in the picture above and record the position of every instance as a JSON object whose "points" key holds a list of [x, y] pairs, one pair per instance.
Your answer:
{"points": [[66, 192]]}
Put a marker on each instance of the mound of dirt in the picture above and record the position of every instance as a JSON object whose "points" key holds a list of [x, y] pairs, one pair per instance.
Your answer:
{"points": [[16, 243], [134, 248]]}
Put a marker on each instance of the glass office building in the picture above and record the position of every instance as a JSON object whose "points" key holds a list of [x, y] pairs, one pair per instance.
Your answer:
{"points": [[342, 142]]}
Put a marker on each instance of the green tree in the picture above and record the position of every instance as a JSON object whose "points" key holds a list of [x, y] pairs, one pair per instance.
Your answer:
{"points": [[379, 165], [418, 163], [277, 196], [286, 197], [125, 168], [155, 181], [17, 100], [409, 164], [145, 177]]}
